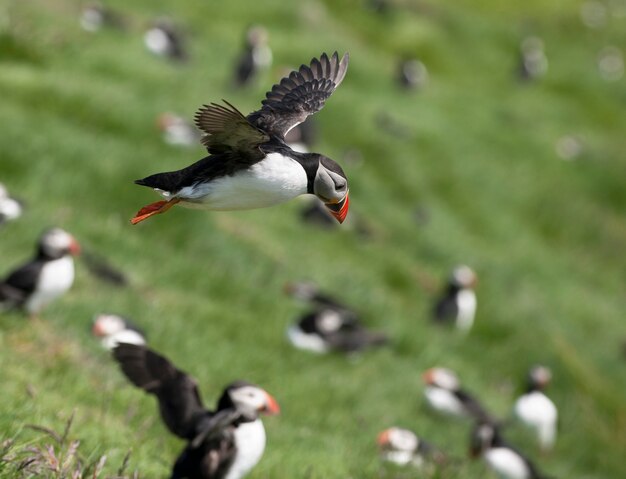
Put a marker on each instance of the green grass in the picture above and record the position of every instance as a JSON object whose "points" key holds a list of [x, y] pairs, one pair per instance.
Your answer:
{"points": [[546, 236]]}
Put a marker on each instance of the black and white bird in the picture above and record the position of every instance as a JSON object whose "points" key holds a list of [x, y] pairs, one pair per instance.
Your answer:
{"points": [[256, 56], [222, 444], [10, 208], [457, 305], [536, 410], [309, 292], [444, 394], [113, 330], [412, 74], [250, 165], [166, 40], [327, 329], [96, 16], [403, 447], [502, 458], [47, 276]]}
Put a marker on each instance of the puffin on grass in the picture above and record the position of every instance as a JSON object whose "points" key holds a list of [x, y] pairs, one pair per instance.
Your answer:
{"points": [[457, 304], [250, 165], [47, 276], [222, 444], [503, 459], [444, 394], [403, 447], [536, 410]]}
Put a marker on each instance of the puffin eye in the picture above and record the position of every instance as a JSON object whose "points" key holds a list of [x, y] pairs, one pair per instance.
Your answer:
{"points": [[340, 185]]}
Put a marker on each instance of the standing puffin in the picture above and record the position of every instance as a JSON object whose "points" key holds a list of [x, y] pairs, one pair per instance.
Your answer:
{"points": [[222, 444], [328, 329], [257, 55], [403, 447], [46, 277], [504, 460], [444, 394], [536, 410], [458, 303], [250, 165], [165, 40], [113, 329]]}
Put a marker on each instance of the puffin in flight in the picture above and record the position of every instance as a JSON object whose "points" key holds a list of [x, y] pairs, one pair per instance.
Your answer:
{"points": [[47, 276], [222, 444], [249, 164]]}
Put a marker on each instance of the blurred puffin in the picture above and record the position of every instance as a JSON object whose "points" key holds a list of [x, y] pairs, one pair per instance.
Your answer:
{"points": [[443, 393], [177, 131], [458, 302], [47, 276], [536, 410], [222, 444], [327, 329], [95, 16], [257, 55], [113, 329], [412, 74], [10, 208], [403, 447], [165, 40], [504, 460], [533, 62], [249, 165]]}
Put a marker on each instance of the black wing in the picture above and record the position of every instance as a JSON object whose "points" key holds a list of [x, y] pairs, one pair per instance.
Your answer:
{"points": [[299, 95], [227, 130], [473, 407], [25, 278], [446, 310], [179, 399]]}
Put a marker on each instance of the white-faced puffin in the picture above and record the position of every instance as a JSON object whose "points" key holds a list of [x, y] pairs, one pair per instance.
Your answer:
{"points": [[536, 410], [444, 394], [113, 329], [502, 458], [222, 444], [250, 165], [165, 40], [46, 277], [403, 447], [10, 208], [328, 329], [257, 55], [458, 302]]}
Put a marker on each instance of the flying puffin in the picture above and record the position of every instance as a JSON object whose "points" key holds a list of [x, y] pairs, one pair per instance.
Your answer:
{"points": [[458, 303], [10, 208], [504, 460], [113, 329], [222, 444], [403, 447], [46, 277], [536, 410], [257, 55], [327, 329], [444, 394], [250, 165]]}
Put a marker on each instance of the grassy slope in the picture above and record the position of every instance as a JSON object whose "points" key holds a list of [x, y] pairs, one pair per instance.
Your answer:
{"points": [[546, 236]]}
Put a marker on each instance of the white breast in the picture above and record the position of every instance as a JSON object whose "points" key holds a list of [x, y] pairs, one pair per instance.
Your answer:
{"points": [[127, 336], [538, 412], [444, 401], [307, 341], [466, 302], [506, 463], [56, 278], [273, 180], [403, 458], [250, 443]]}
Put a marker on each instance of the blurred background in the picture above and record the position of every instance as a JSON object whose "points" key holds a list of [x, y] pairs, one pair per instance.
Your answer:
{"points": [[482, 133]]}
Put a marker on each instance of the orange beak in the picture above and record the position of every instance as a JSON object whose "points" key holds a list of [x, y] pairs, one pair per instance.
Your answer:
{"points": [[383, 438], [427, 377], [271, 408], [96, 329], [339, 210], [74, 248]]}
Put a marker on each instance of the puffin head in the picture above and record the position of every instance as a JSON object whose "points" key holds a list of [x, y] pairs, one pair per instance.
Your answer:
{"points": [[539, 377], [464, 277], [107, 324], [56, 243], [250, 399], [442, 378], [331, 186], [397, 439]]}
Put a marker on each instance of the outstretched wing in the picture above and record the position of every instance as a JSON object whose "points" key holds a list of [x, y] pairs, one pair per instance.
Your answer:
{"points": [[179, 399], [299, 95], [227, 130]]}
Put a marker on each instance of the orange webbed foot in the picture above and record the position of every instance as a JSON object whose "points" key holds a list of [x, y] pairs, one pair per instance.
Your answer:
{"points": [[153, 209]]}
